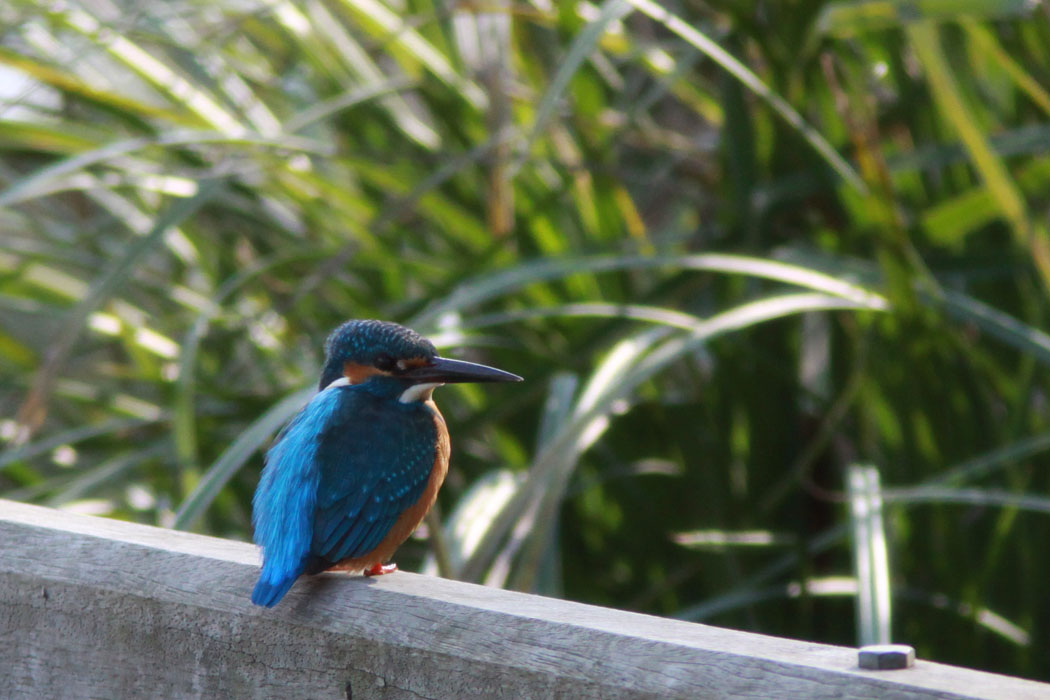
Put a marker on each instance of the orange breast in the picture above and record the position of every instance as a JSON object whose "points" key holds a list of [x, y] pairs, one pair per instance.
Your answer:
{"points": [[409, 520]]}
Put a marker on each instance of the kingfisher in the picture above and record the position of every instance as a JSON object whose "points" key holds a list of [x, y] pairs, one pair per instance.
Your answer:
{"points": [[355, 471]]}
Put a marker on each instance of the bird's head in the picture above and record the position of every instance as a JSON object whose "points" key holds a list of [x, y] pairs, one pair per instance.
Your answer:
{"points": [[397, 361]]}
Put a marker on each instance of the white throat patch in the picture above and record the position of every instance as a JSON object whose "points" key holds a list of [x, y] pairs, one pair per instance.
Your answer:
{"points": [[418, 392], [342, 381]]}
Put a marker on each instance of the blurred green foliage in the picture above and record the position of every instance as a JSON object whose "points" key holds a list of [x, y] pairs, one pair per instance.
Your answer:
{"points": [[734, 247]]}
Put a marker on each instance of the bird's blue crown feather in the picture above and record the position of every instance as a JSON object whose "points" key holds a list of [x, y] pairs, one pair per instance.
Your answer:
{"points": [[363, 341]]}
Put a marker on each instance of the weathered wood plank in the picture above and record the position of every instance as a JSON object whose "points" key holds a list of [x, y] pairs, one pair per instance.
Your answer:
{"points": [[93, 608]]}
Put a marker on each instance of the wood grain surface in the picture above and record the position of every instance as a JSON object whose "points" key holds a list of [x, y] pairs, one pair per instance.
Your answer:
{"points": [[96, 608]]}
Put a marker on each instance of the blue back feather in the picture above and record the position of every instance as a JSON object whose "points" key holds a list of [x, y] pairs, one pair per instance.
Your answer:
{"points": [[374, 466], [336, 480], [284, 503]]}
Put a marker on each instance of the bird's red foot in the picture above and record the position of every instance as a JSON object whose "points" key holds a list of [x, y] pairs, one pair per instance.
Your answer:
{"points": [[380, 569]]}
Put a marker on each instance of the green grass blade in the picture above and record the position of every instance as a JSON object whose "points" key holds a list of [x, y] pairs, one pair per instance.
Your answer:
{"points": [[1026, 338], [738, 70], [236, 455], [982, 616], [870, 562], [37, 184], [68, 82], [340, 103], [479, 290], [981, 497], [34, 407], [385, 24], [985, 42], [853, 17], [69, 437], [637, 360], [582, 46], [991, 461], [926, 42]]}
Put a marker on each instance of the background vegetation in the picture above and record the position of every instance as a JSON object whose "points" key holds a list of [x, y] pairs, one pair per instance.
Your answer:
{"points": [[776, 274]]}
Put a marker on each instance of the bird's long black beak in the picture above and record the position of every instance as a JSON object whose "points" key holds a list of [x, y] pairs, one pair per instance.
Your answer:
{"points": [[445, 371]]}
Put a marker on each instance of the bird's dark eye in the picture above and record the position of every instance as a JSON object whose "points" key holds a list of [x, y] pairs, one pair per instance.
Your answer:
{"points": [[384, 363]]}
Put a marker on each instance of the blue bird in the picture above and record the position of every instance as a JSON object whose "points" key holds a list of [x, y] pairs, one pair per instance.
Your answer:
{"points": [[354, 472]]}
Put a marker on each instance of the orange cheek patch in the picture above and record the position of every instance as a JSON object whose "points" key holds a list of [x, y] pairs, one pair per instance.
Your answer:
{"points": [[358, 373], [413, 362]]}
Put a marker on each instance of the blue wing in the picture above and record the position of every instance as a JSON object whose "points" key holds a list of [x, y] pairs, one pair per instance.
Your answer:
{"points": [[335, 482], [284, 503], [373, 467]]}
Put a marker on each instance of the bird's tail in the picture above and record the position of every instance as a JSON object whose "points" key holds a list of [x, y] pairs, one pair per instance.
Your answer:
{"points": [[269, 593]]}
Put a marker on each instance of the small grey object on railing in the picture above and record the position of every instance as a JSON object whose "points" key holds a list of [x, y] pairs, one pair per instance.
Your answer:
{"points": [[97, 608], [886, 657]]}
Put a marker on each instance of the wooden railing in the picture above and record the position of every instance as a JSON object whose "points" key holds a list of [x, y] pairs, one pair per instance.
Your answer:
{"points": [[96, 608]]}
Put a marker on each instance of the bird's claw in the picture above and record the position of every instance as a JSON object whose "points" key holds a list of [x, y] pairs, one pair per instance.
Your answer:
{"points": [[379, 569]]}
